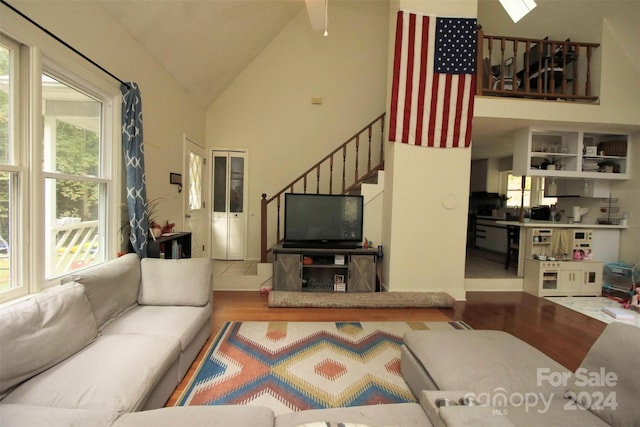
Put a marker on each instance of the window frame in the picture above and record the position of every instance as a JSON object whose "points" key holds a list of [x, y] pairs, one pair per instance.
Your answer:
{"points": [[15, 167], [536, 190]]}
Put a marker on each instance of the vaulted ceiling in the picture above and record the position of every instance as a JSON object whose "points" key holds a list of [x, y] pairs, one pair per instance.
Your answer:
{"points": [[203, 44]]}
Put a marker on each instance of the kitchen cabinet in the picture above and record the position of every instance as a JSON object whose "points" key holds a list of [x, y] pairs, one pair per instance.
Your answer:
{"points": [[571, 154], [594, 188], [318, 269], [490, 235], [485, 175], [563, 278]]}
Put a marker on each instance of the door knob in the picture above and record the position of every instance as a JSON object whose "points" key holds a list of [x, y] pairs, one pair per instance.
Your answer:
{"points": [[187, 216]]}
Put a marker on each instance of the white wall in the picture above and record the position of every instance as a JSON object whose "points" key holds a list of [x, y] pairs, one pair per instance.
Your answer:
{"points": [[628, 194], [426, 197], [168, 111], [268, 110]]}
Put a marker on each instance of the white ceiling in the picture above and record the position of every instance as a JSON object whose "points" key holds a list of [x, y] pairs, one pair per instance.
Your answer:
{"points": [[203, 44]]}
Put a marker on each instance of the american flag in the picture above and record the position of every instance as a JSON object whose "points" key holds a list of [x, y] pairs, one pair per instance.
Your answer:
{"points": [[433, 81]]}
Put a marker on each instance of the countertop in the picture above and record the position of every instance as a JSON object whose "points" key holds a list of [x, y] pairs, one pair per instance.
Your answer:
{"points": [[550, 224]]}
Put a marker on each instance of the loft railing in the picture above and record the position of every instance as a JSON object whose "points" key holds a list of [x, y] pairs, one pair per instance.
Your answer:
{"points": [[531, 68], [339, 172]]}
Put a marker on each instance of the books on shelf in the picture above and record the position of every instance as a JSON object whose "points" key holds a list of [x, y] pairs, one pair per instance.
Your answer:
{"points": [[176, 250]]}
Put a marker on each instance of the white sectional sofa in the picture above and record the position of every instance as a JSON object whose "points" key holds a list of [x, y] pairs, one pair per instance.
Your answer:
{"points": [[109, 346], [518, 384], [113, 339]]}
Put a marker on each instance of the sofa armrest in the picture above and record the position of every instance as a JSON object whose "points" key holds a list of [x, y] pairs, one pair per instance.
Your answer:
{"points": [[184, 281]]}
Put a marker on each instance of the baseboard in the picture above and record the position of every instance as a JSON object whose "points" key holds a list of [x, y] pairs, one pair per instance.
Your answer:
{"points": [[494, 285]]}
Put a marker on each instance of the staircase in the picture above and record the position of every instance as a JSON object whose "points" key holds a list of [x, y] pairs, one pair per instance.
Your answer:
{"points": [[358, 160]]}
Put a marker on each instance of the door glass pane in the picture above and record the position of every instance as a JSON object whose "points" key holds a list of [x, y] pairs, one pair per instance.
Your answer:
{"points": [[220, 184], [195, 181], [71, 130], [236, 184], [5, 232], [73, 234]]}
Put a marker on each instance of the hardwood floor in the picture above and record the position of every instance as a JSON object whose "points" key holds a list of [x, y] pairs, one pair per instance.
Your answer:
{"points": [[559, 332]]}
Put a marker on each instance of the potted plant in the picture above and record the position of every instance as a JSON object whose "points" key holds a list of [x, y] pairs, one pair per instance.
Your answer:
{"points": [[155, 229]]}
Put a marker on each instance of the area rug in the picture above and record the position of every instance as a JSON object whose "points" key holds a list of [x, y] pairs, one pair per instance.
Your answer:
{"points": [[592, 307], [361, 300], [294, 366]]}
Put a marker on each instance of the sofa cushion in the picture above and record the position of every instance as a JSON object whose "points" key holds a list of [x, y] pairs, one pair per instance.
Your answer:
{"points": [[35, 333], [557, 412], [175, 281], [392, 414], [607, 382], [115, 373], [31, 416], [112, 287], [482, 361], [182, 323], [216, 415]]}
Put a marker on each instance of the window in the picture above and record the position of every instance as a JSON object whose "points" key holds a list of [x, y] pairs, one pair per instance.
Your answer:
{"points": [[58, 181], [74, 189], [533, 191]]}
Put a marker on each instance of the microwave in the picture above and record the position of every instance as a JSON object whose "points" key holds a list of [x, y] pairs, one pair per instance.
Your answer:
{"points": [[581, 239]]}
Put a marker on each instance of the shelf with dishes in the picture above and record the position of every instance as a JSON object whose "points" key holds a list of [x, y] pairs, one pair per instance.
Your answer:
{"points": [[571, 154]]}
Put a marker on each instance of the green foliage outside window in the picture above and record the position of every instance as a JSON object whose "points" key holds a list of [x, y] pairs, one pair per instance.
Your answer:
{"points": [[76, 154]]}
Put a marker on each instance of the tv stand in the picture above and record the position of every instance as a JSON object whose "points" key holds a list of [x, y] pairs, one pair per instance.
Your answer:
{"points": [[319, 269], [322, 245]]}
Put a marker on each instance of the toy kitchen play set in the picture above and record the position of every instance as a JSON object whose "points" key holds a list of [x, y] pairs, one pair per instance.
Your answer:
{"points": [[560, 262]]}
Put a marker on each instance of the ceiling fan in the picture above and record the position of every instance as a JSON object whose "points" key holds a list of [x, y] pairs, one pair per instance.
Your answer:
{"points": [[318, 14]]}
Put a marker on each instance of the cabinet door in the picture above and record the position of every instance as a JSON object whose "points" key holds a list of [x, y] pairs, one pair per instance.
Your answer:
{"points": [[592, 280], [286, 272], [362, 273], [570, 282]]}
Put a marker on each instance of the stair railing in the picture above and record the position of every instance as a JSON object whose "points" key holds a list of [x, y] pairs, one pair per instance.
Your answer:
{"points": [[339, 172]]}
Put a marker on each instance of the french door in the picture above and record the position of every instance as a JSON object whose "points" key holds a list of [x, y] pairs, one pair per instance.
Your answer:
{"points": [[229, 204]]}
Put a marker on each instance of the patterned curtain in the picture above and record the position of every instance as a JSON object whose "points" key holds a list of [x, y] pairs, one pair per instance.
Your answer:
{"points": [[133, 150]]}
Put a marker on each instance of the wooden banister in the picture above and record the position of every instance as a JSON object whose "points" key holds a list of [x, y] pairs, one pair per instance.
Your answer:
{"points": [[534, 68], [351, 155]]}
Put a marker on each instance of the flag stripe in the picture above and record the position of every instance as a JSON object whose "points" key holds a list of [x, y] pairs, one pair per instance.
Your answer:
{"points": [[393, 113], [471, 97], [422, 87], [411, 33], [429, 106]]}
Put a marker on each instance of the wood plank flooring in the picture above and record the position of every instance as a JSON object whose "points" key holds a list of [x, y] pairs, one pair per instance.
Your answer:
{"points": [[559, 332]]}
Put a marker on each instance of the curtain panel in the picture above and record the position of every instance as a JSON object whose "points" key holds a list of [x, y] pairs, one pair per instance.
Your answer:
{"points": [[133, 151]]}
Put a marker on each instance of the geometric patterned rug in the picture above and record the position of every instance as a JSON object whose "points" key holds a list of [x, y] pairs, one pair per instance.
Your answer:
{"points": [[294, 366], [592, 307]]}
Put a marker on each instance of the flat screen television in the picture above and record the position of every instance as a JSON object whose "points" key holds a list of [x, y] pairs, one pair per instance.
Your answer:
{"points": [[322, 220]]}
